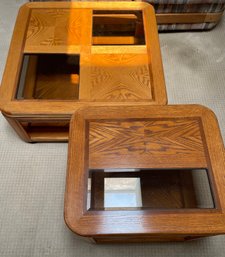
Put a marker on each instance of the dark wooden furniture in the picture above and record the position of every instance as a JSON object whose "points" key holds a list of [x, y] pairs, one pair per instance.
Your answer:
{"points": [[67, 55], [145, 173]]}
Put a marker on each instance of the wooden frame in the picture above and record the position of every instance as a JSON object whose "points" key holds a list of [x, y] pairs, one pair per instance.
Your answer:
{"points": [[203, 149], [28, 38], [187, 18]]}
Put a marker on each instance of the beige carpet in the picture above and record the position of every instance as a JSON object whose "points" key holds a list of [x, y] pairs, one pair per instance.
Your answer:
{"points": [[32, 176]]}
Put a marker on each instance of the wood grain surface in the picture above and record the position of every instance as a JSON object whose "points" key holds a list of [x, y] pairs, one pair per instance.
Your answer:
{"points": [[187, 18], [109, 74], [116, 77], [116, 132], [54, 27], [117, 143]]}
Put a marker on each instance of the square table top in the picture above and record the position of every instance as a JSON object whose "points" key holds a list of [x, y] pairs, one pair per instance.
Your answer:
{"points": [[128, 70]]}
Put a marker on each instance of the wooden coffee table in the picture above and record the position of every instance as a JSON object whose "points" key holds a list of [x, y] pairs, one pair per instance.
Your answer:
{"points": [[67, 55], [145, 173]]}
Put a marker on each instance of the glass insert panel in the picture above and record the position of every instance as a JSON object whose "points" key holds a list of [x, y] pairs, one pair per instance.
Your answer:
{"points": [[155, 189], [118, 28], [49, 76]]}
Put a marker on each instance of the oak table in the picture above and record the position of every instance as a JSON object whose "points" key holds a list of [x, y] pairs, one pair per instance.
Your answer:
{"points": [[67, 55], [145, 173]]}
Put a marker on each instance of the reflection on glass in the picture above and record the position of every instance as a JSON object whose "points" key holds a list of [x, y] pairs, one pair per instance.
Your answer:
{"points": [[118, 28], [122, 192], [49, 76], [162, 189]]}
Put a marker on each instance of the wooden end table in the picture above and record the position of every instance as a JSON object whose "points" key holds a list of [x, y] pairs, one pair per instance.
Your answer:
{"points": [[140, 174], [67, 55]]}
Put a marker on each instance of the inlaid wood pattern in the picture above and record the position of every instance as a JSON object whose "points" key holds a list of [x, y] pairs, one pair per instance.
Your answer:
{"points": [[151, 138], [54, 27], [116, 77], [153, 141], [108, 74]]}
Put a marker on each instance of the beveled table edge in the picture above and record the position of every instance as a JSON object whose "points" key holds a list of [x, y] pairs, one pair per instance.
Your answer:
{"points": [[12, 107], [173, 222]]}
